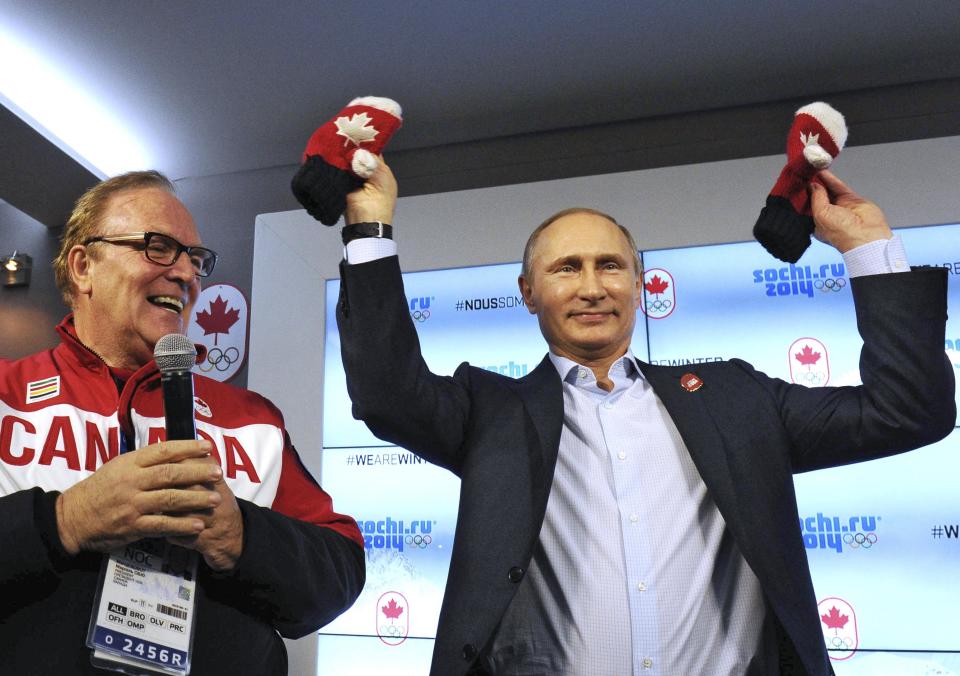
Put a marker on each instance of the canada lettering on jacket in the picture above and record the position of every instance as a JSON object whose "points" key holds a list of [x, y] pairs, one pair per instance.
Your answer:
{"points": [[68, 441]]}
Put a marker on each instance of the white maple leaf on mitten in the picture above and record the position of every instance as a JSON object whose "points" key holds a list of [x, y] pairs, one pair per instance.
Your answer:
{"points": [[331, 169], [356, 128], [813, 152]]}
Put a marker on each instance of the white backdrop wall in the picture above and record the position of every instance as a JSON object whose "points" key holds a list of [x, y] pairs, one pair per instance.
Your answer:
{"points": [[916, 182]]}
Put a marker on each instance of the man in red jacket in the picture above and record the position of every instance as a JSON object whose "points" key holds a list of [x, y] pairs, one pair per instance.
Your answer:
{"points": [[274, 556]]}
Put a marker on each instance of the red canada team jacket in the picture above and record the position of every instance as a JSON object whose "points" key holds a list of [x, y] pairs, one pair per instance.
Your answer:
{"points": [[61, 418]]}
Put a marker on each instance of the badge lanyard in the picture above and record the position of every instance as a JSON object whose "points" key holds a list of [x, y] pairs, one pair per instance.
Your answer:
{"points": [[143, 614]]}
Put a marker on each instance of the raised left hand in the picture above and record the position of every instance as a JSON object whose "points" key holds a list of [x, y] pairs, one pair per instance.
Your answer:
{"points": [[844, 219]]}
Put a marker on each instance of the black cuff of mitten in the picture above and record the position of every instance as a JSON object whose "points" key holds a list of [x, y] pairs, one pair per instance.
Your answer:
{"points": [[782, 231], [322, 189]]}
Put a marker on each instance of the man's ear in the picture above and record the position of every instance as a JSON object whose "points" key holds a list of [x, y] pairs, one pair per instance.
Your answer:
{"points": [[527, 292], [78, 265]]}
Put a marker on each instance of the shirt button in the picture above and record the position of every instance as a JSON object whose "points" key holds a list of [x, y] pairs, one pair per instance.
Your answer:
{"points": [[582, 373], [622, 455], [608, 404], [899, 264], [634, 518], [647, 663], [642, 586]]}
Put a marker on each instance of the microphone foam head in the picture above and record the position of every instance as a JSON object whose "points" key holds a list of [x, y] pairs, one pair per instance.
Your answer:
{"points": [[174, 352]]}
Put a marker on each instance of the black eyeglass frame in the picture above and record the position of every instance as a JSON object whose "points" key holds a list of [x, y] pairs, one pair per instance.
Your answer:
{"points": [[144, 238]]}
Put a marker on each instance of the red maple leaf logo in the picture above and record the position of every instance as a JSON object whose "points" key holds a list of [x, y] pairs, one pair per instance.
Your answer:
{"points": [[833, 619], [807, 357], [218, 319], [392, 610], [656, 286]]}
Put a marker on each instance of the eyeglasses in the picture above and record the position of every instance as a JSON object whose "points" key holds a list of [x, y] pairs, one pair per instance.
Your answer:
{"points": [[165, 250]]}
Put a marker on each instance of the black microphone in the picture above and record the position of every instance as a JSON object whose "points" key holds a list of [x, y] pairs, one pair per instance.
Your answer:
{"points": [[175, 356]]}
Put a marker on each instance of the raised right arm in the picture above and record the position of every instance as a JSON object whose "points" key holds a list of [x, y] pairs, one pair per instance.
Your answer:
{"points": [[391, 388]]}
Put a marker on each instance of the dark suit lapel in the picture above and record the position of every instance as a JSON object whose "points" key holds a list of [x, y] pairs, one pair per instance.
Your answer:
{"points": [[542, 394], [711, 422], [691, 413]]}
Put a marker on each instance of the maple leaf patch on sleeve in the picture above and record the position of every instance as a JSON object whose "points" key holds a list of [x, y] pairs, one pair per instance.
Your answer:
{"points": [[218, 319]]}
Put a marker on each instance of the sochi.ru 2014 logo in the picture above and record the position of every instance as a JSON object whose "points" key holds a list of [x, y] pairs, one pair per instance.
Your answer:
{"points": [[659, 293], [392, 533], [809, 363], [839, 625], [393, 618], [801, 280], [420, 308], [828, 532]]}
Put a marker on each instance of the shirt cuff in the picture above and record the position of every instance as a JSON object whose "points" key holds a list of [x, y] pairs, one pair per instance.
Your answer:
{"points": [[877, 257], [368, 249]]}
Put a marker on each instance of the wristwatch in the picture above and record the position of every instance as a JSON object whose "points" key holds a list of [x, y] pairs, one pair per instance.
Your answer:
{"points": [[363, 230]]}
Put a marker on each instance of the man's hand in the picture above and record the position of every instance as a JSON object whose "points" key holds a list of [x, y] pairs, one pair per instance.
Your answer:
{"points": [[843, 218], [149, 492], [375, 200], [221, 540]]}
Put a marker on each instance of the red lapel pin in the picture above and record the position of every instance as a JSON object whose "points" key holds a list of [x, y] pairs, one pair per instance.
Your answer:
{"points": [[691, 382]]}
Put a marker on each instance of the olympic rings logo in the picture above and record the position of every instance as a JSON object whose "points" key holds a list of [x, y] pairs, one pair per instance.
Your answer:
{"points": [[811, 378], [420, 541], [826, 285], [659, 305], [391, 631], [856, 540], [220, 359], [420, 315], [839, 643]]}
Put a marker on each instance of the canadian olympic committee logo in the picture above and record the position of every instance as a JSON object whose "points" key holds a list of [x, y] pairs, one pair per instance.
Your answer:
{"points": [[809, 363], [220, 323], [659, 294], [393, 618], [839, 624]]}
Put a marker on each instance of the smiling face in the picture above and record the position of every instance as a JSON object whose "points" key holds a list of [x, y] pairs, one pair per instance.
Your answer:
{"points": [[124, 303], [584, 288]]}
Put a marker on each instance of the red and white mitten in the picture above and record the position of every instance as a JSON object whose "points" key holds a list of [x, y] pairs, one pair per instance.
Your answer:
{"points": [[342, 154], [815, 139]]}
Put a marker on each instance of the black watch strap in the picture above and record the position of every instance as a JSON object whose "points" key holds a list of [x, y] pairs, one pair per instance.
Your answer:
{"points": [[362, 230]]}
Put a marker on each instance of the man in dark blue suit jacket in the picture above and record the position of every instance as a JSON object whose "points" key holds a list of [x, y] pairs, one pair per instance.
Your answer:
{"points": [[734, 595]]}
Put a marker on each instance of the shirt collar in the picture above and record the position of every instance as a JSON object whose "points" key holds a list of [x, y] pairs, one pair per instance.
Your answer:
{"points": [[567, 368]]}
